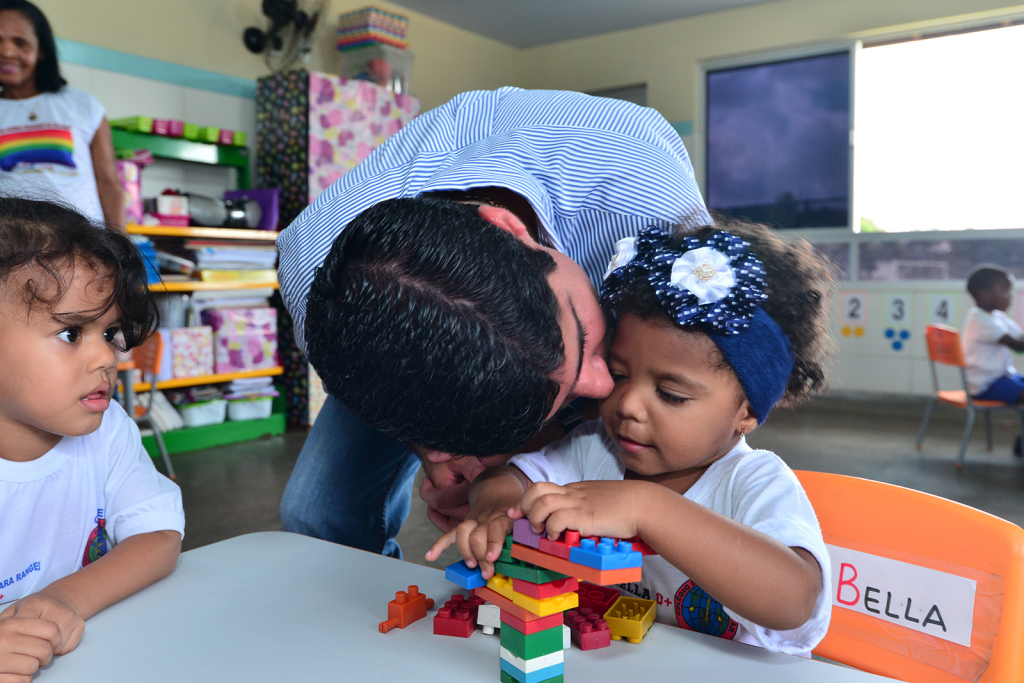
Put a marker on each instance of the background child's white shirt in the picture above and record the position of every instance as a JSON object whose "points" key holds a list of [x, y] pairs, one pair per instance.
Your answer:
{"points": [[753, 487], [49, 507], [985, 359]]}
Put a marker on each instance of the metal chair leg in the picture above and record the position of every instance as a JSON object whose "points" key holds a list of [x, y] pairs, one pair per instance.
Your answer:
{"points": [[927, 417], [988, 430], [967, 437], [163, 452]]}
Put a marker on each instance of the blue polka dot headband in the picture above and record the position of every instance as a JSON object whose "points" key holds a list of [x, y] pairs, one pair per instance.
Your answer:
{"points": [[716, 285]]}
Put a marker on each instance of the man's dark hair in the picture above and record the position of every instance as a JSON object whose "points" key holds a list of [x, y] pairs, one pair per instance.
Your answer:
{"points": [[436, 327], [49, 239], [48, 78], [984, 277]]}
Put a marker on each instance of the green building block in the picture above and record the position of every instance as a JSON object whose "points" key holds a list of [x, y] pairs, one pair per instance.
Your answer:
{"points": [[524, 571], [506, 678], [533, 645]]}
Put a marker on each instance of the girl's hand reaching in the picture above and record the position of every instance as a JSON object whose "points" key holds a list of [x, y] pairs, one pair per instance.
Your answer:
{"points": [[594, 508], [479, 539]]}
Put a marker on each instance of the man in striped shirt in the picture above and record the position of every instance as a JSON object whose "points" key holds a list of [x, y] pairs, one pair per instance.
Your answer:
{"points": [[444, 289]]}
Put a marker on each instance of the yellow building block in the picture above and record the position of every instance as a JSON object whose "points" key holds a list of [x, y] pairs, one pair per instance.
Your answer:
{"points": [[630, 618], [502, 585]]}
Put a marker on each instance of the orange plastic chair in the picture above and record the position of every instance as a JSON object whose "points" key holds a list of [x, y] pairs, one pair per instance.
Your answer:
{"points": [[944, 347], [918, 530], [146, 357]]}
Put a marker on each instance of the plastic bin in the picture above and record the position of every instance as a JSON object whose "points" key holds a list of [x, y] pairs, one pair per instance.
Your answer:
{"points": [[205, 413], [258, 408]]}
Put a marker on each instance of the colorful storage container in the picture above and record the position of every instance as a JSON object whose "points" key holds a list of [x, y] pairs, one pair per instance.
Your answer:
{"points": [[192, 351]]}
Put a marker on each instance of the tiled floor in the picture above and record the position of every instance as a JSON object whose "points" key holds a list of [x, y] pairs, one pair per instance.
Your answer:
{"points": [[236, 489]]}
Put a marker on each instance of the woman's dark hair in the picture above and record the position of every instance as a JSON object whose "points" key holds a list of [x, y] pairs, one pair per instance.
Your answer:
{"points": [[436, 327], [48, 78], [798, 283], [48, 239]]}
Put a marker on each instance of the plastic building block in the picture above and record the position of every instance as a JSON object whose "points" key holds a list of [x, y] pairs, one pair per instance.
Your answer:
{"points": [[566, 637], [606, 554], [523, 533], [640, 546], [606, 577], [532, 645], [511, 567], [588, 630], [530, 627], [561, 547], [598, 598], [545, 590], [488, 617], [464, 576], [507, 678], [543, 667], [457, 617], [543, 676], [407, 607], [631, 618], [505, 604], [558, 603]]}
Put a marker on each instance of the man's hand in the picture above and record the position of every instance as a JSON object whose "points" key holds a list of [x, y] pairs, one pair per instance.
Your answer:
{"points": [[53, 608], [25, 645], [445, 489]]}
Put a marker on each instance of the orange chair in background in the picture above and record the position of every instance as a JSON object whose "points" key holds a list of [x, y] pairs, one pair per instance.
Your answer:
{"points": [[886, 540], [145, 357], [944, 347]]}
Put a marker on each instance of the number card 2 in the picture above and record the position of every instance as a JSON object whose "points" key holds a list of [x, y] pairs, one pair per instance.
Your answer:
{"points": [[853, 308]]}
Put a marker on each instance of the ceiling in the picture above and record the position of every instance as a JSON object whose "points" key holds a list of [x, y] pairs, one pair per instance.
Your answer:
{"points": [[529, 23]]}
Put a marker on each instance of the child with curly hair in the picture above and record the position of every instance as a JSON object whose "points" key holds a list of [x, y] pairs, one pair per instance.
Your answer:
{"points": [[711, 330], [85, 518]]}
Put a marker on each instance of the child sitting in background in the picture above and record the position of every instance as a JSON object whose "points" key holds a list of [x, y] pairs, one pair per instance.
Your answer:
{"points": [[989, 334], [707, 340], [85, 518]]}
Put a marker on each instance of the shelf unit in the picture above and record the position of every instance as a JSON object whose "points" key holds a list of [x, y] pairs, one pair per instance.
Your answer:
{"points": [[197, 286], [180, 149], [209, 379], [203, 233]]}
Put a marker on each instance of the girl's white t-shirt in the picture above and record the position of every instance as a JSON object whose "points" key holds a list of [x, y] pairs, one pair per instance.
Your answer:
{"points": [[48, 157], [69, 507], [753, 487]]}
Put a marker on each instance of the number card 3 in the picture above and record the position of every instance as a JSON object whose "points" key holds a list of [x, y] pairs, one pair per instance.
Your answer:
{"points": [[898, 310]]}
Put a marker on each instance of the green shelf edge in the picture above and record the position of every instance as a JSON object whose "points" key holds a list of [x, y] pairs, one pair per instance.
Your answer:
{"points": [[185, 150], [210, 436]]}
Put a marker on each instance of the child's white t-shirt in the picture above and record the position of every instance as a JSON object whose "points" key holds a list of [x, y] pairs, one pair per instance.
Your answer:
{"points": [[49, 157], [985, 359], [753, 487], [84, 496]]}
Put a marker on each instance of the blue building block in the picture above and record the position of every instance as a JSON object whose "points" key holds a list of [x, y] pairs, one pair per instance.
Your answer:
{"points": [[464, 576], [537, 676], [606, 555]]}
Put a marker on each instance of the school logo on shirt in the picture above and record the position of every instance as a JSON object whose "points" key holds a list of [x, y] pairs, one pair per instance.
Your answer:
{"points": [[48, 145], [98, 544], [698, 611]]}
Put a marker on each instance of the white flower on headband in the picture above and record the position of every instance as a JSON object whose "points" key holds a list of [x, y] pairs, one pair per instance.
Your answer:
{"points": [[705, 273], [625, 251]]}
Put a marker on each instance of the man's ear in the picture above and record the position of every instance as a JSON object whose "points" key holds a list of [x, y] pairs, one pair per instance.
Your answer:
{"points": [[506, 220], [747, 421]]}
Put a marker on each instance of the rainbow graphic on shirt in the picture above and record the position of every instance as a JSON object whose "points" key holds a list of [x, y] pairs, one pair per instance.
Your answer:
{"points": [[98, 543], [44, 146]]}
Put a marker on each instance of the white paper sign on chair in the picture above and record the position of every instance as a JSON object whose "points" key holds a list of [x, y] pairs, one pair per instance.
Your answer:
{"points": [[925, 600]]}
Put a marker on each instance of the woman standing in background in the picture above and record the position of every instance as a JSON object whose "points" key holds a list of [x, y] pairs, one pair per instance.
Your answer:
{"points": [[55, 141]]}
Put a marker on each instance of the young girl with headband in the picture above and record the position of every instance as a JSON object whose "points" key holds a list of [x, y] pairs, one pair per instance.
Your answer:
{"points": [[711, 331]]}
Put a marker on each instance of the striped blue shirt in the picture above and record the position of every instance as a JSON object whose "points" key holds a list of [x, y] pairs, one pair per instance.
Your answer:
{"points": [[594, 170]]}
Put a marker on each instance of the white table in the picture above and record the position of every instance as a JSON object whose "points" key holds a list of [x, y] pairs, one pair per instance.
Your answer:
{"points": [[282, 607]]}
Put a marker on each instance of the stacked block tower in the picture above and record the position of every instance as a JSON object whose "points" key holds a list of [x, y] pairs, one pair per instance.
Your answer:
{"points": [[537, 587]]}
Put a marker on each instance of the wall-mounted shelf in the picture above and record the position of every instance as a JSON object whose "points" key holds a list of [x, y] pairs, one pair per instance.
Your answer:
{"points": [[203, 233], [210, 379], [180, 149], [199, 286]]}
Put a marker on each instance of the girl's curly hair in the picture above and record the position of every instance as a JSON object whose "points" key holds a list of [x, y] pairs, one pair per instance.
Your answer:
{"points": [[798, 284], [49, 239]]}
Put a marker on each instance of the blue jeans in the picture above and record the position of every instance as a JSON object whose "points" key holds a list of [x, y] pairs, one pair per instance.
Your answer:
{"points": [[351, 484]]}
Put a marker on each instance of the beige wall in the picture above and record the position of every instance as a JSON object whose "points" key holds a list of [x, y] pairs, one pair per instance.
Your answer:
{"points": [[207, 34], [666, 56]]}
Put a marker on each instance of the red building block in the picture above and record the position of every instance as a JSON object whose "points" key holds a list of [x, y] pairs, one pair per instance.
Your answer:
{"points": [[457, 617], [602, 577], [531, 627], [587, 629], [561, 547], [597, 598], [407, 607], [640, 546], [545, 590], [505, 604]]}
